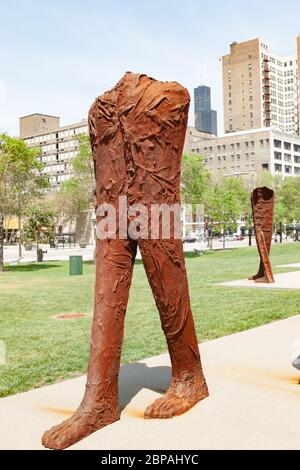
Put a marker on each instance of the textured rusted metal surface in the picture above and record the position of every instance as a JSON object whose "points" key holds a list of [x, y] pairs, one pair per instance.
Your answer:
{"points": [[137, 132], [262, 200]]}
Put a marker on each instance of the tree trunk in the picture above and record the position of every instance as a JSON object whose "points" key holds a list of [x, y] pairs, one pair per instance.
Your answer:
{"points": [[5, 231], [1, 242], [37, 248], [20, 241], [224, 234], [280, 232], [250, 236]]}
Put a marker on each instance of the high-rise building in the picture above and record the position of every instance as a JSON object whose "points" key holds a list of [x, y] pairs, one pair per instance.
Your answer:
{"points": [[205, 117], [248, 153], [260, 88], [59, 145]]}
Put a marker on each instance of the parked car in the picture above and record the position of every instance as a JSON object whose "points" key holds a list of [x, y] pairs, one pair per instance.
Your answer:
{"points": [[232, 238], [228, 238], [191, 238]]}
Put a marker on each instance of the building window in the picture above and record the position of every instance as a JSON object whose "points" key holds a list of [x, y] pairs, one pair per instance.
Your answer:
{"points": [[296, 148], [277, 155], [278, 168], [287, 157], [277, 143], [296, 159], [288, 169]]}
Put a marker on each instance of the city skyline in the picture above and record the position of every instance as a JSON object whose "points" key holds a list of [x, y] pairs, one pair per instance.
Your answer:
{"points": [[61, 62]]}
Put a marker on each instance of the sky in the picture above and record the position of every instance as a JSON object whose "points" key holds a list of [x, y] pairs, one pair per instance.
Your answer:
{"points": [[57, 56]]}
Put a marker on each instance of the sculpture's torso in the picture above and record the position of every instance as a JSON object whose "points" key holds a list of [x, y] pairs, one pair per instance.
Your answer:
{"points": [[263, 206], [137, 131]]}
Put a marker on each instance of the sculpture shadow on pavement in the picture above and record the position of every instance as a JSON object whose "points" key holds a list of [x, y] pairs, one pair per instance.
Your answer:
{"points": [[137, 375]]}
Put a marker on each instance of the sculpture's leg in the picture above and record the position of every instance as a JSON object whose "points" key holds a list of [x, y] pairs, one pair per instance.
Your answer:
{"points": [[100, 405], [165, 268], [262, 201], [267, 243], [259, 274], [264, 245]]}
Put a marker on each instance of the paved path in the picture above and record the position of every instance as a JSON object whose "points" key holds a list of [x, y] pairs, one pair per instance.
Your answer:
{"points": [[290, 280], [62, 254], [254, 400], [291, 265]]}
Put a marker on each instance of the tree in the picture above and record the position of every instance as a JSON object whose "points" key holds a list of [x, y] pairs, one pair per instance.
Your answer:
{"points": [[287, 208], [39, 223], [75, 196], [195, 179], [227, 201], [21, 180], [287, 199]]}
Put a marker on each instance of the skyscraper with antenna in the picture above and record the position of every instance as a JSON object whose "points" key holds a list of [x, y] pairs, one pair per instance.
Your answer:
{"points": [[205, 117]]}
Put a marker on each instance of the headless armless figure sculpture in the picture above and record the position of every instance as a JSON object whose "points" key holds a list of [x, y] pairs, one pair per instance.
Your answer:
{"points": [[137, 133], [262, 201]]}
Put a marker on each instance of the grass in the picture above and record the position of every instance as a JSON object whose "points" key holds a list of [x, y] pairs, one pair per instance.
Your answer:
{"points": [[41, 349]]}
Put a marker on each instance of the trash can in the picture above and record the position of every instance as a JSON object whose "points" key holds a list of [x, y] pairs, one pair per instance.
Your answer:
{"points": [[75, 265]]}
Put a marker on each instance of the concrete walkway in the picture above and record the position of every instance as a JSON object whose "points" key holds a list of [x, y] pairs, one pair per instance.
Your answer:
{"points": [[290, 280], [254, 400], [62, 254], [53, 254], [291, 265]]}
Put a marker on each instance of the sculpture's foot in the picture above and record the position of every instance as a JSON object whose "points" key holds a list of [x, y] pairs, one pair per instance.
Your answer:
{"points": [[83, 423], [264, 279], [179, 398], [256, 276]]}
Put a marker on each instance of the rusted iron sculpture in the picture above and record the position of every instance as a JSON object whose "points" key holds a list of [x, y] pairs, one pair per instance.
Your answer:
{"points": [[262, 200], [137, 133]]}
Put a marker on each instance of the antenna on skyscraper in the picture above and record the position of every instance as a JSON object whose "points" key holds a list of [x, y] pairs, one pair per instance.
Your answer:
{"points": [[198, 75], [204, 72]]}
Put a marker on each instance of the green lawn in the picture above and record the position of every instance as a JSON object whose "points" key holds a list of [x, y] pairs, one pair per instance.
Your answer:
{"points": [[41, 349]]}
